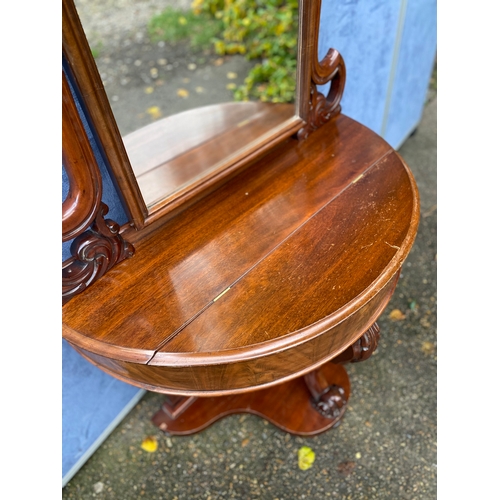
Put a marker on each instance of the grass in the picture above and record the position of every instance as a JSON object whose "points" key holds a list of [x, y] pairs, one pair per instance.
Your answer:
{"points": [[174, 26]]}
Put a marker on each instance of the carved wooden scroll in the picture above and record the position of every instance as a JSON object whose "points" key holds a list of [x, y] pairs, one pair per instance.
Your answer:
{"points": [[362, 349], [330, 400], [330, 70], [97, 244]]}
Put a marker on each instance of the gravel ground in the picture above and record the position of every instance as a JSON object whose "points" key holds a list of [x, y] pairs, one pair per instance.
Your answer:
{"points": [[105, 21], [146, 80]]}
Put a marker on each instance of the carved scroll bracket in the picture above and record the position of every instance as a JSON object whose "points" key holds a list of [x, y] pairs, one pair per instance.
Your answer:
{"points": [[331, 69], [94, 252], [97, 245], [362, 349]]}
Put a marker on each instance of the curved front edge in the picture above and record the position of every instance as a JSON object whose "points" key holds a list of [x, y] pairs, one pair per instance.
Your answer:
{"points": [[252, 374]]}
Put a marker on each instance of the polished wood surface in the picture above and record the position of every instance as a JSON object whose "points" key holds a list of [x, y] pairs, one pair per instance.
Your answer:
{"points": [[179, 151], [83, 69], [312, 110], [304, 406], [244, 369], [85, 188], [282, 268], [293, 411], [97, 245]]}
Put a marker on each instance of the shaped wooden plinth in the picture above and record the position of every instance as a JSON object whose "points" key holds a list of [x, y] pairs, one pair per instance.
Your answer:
{"points": [[290, 406]]}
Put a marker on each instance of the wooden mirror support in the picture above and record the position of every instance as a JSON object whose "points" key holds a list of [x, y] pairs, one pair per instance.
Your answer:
{"points": [[254, 296], [97, 245], [311, 110]]}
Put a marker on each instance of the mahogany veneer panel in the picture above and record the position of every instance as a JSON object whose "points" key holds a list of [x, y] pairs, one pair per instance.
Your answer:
{"points": [[291, 411], [243, 370], [309, 239], [175, 151]]}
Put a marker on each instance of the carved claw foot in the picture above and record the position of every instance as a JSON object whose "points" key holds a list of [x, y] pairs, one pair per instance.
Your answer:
{"points": [[332, 403], [327, 398]]}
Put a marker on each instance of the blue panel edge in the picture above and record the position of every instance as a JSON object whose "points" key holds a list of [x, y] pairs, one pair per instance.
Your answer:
{"points": [[111, 427]]}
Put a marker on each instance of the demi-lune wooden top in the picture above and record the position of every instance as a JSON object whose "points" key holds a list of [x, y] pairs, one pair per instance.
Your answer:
{"points": [[282, 267]]}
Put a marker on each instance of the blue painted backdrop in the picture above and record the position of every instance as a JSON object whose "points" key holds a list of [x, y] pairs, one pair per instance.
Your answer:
{"points": [[93, 402], [389, 48]]}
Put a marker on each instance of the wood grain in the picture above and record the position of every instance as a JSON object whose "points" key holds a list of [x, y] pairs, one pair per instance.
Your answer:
{"points": [[84, 70], [192, 259], [202, 140], [242, 370], [304, 420], [279, 270], [84, 195]]}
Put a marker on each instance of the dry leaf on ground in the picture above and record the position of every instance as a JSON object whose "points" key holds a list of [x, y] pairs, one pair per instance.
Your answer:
{"points": [[306, 457], [149, 444], [396, 315], [154, 112], [346, 468], [427, 347]]}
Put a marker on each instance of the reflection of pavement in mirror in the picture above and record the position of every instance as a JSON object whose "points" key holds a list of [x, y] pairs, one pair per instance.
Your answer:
{"points": [[147, 81]]}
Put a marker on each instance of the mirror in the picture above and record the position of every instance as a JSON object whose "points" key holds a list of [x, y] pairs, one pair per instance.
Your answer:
{"points": [[192, 85], [184, 94]]}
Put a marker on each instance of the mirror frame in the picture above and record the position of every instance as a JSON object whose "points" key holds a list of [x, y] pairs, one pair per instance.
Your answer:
{"points": [[312, 110]]}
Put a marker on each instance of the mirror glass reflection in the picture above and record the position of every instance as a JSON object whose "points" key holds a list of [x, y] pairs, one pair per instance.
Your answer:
{"points": [[193, 85]]}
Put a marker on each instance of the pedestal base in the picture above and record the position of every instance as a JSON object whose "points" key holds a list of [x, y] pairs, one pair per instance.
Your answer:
{"points": [[289, 406]]}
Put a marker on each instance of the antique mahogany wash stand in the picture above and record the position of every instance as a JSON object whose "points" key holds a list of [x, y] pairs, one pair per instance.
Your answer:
{"points": [[249, 295]]}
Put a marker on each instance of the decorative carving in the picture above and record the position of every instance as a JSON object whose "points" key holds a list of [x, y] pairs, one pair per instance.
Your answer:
{"points": [[331, 69], [366, 345], [332, 403], [94, 253], [362, 349], [97, 245], [329, 400]]}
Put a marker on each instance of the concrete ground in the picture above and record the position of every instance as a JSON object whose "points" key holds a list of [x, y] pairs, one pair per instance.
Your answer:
{"points": [[385, 446]]}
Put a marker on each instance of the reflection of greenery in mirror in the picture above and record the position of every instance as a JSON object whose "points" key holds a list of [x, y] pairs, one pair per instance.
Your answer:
{"points": [[195, 87], [262, 30]]}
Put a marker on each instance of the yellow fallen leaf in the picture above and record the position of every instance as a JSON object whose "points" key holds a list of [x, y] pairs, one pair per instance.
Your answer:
{"points": [[149, 444], [183, 93], [232, 75], [396, 315], [427, 347], [306, 457], [149, 90], [154, 112], [199, 90], [231, 86]]}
